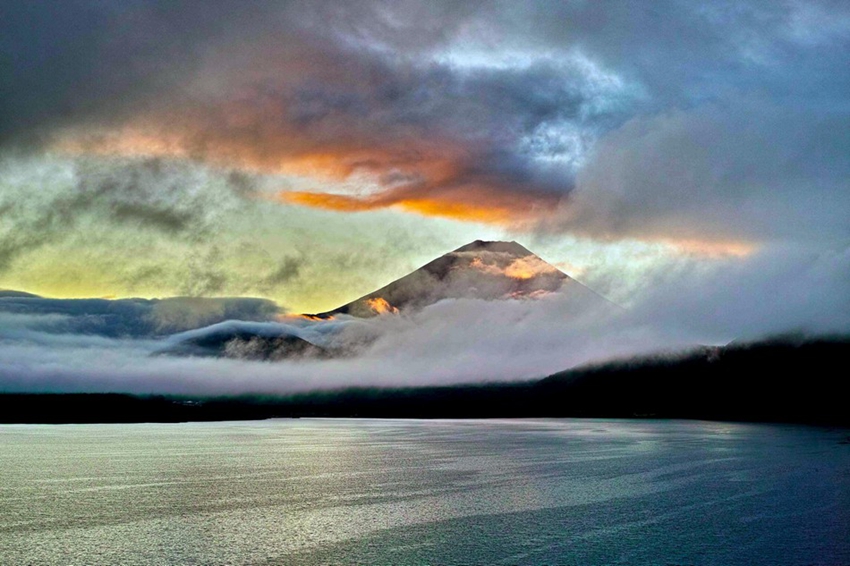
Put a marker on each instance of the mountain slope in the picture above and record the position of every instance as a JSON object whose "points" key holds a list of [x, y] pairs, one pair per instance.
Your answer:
{"points": [[479, 270]]}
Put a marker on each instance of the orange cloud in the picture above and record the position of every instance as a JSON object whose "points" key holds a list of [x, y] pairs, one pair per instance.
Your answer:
{"points": [[457, 210], [328, 201], [430, 177], [471, 205], [422, 178], [460, 211]]}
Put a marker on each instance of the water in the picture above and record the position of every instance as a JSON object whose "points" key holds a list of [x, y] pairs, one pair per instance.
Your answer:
{"points": [[424, 492]]}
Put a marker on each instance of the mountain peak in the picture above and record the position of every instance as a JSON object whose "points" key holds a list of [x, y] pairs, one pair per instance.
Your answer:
{"points": [[479, 270], [511, 248]]}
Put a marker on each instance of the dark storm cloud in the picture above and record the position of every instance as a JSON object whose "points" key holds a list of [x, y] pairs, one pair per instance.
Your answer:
{"points": [[69, 61], [742, 133], [688, 52], [85, 60], [424, 130], [305, 80], [456, 109]]}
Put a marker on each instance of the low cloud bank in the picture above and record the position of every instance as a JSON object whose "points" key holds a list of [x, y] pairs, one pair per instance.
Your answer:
{"points": [[453, 341], [129, 318]]}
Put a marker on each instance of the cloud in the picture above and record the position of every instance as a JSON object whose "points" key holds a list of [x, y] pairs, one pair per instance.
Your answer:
{"points": [[431, 138], [750, 173], [453, 341], [782, 288], [86, 62], [181, 313], [288, 269], [397, 351], [93, 226], [45, 200], [161, 129], [129, 318], [688, 53], [479, 206], [428, 133], [489, 112]]}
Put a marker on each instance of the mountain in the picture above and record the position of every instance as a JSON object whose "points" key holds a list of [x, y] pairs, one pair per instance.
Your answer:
{"points": [[479, 270], [227, 341]]}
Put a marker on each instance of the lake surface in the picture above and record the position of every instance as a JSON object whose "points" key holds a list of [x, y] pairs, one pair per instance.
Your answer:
{"points": [[425, 492]]}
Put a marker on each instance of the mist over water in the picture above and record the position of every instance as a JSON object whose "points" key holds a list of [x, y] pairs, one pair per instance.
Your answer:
{"points": [[61, 345], [442, 492]]}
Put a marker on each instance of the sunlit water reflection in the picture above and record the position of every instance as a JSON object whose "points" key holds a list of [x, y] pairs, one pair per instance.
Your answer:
{"points": [[425, 492]]}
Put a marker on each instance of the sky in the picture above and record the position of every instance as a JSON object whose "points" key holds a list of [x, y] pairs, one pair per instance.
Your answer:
{"points": [[688, 160]]}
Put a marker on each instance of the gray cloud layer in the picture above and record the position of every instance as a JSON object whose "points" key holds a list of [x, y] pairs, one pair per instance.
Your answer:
{"points": [[757, 172], [699, 107], [42, 201]]}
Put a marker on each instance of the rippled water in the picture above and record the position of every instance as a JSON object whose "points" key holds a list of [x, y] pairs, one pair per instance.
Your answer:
{"points": [[424, 492]]}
